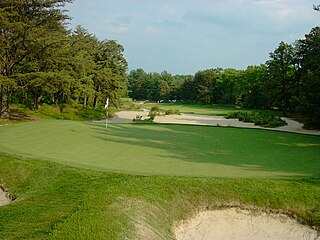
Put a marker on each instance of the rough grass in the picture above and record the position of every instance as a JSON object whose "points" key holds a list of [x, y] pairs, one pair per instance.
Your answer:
{"points": [[68, 112], [53, 201], [154, 149]]}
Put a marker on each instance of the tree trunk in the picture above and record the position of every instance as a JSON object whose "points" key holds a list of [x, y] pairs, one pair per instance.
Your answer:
{"points": [[284, 93], [96, 98], [37, 100], [96, 101], [4, 102]]}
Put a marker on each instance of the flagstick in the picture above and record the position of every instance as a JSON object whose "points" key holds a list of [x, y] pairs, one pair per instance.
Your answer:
{"points": [[106, 107], [107, 119]]}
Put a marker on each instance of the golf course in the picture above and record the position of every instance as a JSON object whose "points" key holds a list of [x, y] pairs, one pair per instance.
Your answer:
{"points": [[79, 179], [174, 120], [175, 150]]}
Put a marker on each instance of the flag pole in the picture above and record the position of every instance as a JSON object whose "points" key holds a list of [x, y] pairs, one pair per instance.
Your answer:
{"points": [[106, 107], [107, 119]]}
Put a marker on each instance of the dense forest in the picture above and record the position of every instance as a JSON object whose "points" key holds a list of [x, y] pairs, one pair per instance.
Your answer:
{"points": [[41, 61], [289, 81]]}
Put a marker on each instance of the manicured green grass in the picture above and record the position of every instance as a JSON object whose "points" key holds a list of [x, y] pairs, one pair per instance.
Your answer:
{"points": [[217, 110], [175, 150], [53, 201]]}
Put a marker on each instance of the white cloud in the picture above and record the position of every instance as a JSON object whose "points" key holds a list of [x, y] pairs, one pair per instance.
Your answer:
{"points": [[121, 25], [198, 33]]}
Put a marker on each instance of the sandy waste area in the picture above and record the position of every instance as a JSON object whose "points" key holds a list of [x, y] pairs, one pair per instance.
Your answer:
{"points": [[236, 224], [4, 197], [194, 119]]}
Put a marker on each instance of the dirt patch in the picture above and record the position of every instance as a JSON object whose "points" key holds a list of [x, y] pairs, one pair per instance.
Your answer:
{"points": [[4, 197], [15, 114], [239, 224]]}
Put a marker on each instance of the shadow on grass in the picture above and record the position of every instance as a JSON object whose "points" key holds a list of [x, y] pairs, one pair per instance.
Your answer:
{"points": [[279, 153]]}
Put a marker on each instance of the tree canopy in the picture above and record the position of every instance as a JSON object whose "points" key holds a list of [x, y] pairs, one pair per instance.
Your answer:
{"points": [[289, 80], [41, 61]]}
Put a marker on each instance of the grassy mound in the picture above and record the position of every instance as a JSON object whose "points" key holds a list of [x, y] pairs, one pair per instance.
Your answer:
{"points": [[155, 149], [53, 201]]}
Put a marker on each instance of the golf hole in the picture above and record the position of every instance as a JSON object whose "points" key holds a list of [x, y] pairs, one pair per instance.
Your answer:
{"points": [[4, 197], [237, 224]]}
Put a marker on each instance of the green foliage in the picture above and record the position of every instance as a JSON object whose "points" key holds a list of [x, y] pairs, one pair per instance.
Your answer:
{"points": [[43, 62], [172, 112], [281, 72], [138, 119], [263, 119], [68, 112], [309, 56], [129, 104], [155, 111], [289, 80]]}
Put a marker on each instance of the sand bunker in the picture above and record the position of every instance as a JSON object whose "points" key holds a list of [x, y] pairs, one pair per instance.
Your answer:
{"points": [[239, 224], [195, 119], [4, 197]]}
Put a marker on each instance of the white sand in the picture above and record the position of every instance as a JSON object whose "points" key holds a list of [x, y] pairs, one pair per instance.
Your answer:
{"points": [[128, 116], [235, 224], [4, 197], [194, 119]]}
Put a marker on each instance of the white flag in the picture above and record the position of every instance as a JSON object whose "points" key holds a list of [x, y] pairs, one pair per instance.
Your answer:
{"points": [[107, 103]]}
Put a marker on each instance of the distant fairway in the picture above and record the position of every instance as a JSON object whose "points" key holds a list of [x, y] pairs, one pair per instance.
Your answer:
{"points": [[206, 109], [166, 149]]}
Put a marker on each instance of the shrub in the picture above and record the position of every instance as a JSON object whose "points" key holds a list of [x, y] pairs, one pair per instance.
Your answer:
{"points": [[155, 111], [263, 119], [138, 119], [172, 111]]}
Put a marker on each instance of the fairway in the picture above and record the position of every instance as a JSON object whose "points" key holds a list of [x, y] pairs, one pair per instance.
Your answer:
{"points": [[176, 150], [206, 109]]}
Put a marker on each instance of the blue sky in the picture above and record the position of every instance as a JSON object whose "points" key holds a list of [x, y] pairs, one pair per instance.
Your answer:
{"points": [[185, 36]]}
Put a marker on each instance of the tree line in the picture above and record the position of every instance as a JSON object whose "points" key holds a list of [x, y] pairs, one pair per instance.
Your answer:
{"points": [[43, 62], [289, 81]]}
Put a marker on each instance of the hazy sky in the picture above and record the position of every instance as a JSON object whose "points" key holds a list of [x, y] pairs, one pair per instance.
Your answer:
{"points": [[184, 36]]}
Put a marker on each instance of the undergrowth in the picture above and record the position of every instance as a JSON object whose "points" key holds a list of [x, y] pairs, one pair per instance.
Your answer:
{"points": [[263, 119]]}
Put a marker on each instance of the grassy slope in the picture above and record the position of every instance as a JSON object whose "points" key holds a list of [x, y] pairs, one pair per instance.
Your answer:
{"points": [[166, 149], [70, 112], [58, 202]]}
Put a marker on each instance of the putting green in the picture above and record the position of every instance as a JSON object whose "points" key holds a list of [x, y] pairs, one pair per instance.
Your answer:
{"points": [[166, 149]]}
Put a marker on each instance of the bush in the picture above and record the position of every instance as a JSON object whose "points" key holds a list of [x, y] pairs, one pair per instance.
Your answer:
{"points": [[128, 104], [263, 119], [172, 111], [138, 119], [155, 111]]}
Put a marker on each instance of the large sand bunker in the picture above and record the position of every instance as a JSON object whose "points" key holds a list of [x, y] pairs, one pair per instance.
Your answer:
{"points": [[239, 224], [4, 197], [194, 119]]}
